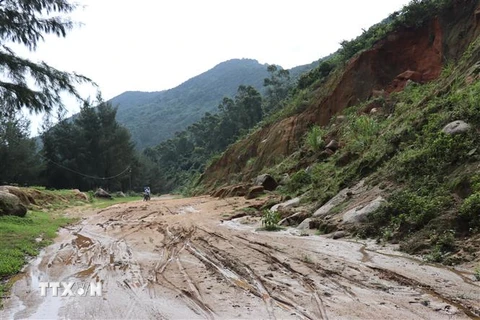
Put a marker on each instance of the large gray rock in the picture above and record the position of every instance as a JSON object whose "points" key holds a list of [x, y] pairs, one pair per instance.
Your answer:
{"points": [[294, 219], [266, 181], [10, 205], [287, 204], [341, 197], [254, 192], [305, 224], [360, 213], [100, 193], [456, 127]]}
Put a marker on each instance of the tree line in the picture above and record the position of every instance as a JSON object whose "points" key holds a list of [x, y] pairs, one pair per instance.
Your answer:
{"points": [[93, 150]]}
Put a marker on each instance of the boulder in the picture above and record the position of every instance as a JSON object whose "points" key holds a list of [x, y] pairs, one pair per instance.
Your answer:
{"points": [[332, 145], [10, 205], [456, 127], [120, 194], [360, 213], [341, 197], [266, 181], [338, 234], [254, 192], [305, 224], [287, 204], [231, 191], [100, 193], [80, 195], [24, 197], [294, 219]]}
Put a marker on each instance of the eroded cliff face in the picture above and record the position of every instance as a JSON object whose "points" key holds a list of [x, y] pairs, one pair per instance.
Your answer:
{"points": [[410, 54]]}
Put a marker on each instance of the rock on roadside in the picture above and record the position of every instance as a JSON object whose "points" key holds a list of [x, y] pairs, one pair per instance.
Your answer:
{"points": [[10, 204]]}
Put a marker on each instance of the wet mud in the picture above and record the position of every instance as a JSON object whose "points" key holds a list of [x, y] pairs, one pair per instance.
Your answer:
{"points": [[195, 258]]}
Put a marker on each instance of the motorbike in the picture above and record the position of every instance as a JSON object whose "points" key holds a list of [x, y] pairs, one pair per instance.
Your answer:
{"points": [[146, 196]]}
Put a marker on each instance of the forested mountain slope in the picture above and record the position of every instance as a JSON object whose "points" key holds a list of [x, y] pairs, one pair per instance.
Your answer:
{"points": [[153, 117]]}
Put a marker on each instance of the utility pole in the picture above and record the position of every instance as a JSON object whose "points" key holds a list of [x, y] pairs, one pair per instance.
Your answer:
{"points": [[130, 173]]}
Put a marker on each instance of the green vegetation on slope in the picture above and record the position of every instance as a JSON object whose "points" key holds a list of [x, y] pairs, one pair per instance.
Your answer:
{"points": [[431, 177]]}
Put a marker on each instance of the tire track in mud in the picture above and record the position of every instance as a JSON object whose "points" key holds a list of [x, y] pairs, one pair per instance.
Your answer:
{"points": [[329, 273], [148, 254], [259, 282], [473, 313], [174, 243]]}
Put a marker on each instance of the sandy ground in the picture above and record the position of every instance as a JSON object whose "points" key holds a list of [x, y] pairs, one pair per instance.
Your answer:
{"points": [[184, 259]]}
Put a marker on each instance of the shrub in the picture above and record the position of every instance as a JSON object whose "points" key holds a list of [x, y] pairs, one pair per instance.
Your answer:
{"points": [[270, 220], [469, 213], [298, 181], [408, 211], [314, 138], [361, 131]]}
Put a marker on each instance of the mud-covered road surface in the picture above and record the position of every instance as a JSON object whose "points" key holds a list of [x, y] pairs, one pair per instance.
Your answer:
{"points": [[184, 259]]}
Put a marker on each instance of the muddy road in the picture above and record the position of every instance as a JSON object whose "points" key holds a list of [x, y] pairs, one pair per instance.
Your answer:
{"points": [[184, 259]]}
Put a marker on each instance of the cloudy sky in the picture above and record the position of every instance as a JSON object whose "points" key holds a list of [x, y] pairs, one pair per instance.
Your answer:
{"points": [[153, 45]]}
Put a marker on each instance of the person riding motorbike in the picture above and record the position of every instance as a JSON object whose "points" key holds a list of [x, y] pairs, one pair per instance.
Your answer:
{"points": [[146, 194]]}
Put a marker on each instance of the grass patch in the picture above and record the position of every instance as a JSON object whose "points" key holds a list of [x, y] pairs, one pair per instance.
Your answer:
{"points": [[100, 203], [24, 237]]}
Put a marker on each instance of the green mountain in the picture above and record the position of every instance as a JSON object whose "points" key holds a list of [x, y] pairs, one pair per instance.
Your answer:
{"points": [[153, 117]]}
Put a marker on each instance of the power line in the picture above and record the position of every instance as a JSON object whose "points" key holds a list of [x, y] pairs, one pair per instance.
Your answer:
{"points": [[83, 174]]}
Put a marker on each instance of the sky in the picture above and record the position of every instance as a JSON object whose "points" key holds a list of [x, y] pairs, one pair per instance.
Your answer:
{"points": [[154, 45]]}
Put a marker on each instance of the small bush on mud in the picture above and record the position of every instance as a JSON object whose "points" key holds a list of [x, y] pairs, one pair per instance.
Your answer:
{"points": [[270, 220]]}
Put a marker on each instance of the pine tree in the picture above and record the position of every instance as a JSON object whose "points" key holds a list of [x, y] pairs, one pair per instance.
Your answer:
{"points": [[26, 22], [18, 158]]}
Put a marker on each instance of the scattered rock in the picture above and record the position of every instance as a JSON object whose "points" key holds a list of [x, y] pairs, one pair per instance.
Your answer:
{"points": [[288, 204], [254, 192], [342, 196], [10, 205], [456, 127], [120, 194], [80, 195], [332, 145], [100, 193], [24, 198], [360, 213], [339, 234], [239, 190], [267, 182], [305, 224], [294, 218]]}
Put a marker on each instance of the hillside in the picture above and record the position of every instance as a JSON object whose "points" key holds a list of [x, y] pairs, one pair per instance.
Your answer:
{"points": [[153, 117], [376, 132]]}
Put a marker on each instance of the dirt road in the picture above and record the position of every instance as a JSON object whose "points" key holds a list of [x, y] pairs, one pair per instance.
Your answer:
{"points": [[183, 259]]}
